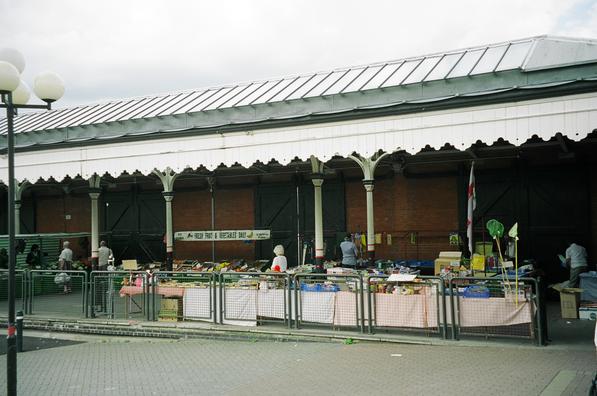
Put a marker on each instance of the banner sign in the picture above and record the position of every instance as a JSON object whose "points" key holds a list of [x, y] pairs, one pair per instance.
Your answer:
{"points": [[224, 235]]}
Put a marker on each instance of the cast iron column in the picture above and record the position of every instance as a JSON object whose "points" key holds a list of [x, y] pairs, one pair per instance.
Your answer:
{"points": [[368, 166], [94, 194], [167, 178]]}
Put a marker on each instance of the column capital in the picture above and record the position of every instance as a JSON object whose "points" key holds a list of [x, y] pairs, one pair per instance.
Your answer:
{"points": [[94, 194], [168, 195], [17, 203], [369, 185], [168, 177], [317, 182]]}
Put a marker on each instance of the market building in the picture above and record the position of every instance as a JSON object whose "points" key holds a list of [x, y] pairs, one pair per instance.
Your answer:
{"points": [[382, 150]]}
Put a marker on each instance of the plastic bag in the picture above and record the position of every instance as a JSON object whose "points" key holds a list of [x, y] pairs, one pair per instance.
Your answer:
{"points": [[61, 278]]}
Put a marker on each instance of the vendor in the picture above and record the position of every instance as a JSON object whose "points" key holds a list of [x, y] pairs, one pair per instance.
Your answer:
{"points": [[349, 252], [576, 259], [279, 263], [34, 257]]}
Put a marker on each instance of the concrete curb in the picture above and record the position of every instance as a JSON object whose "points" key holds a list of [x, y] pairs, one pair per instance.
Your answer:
{"points": [[182, 330]]}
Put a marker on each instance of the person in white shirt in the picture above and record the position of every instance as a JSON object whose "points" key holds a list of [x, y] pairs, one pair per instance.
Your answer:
{"points": [[66, 263], [104, 254], [576, 259], [279, 263]]}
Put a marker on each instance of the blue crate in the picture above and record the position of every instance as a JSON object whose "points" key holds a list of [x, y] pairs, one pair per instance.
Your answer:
{"points": [[476, 292]]}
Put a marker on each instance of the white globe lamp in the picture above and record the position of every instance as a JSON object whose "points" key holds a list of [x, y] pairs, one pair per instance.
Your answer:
{"points": [[48, 86], [21, 95], [9, 77]]}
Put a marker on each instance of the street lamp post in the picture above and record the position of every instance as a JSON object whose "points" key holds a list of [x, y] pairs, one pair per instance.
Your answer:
{"points": [[15, 94]]}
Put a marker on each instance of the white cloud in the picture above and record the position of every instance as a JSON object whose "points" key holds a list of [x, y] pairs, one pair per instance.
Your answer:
{"points": [[118, 49]]}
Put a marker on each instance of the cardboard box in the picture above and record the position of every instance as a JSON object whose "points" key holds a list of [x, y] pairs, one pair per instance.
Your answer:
{"points": [[171, 304], [569, 301], [587, 313], [447, 260]]}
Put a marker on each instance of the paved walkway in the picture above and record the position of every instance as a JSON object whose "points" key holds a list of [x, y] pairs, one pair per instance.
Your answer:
{"points": [[139, 366]]}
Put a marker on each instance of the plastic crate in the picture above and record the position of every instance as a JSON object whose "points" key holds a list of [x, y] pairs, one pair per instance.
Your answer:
{"points": [[476, 292]]}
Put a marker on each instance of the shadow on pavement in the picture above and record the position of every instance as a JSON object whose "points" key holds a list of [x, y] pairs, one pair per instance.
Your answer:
{"points": [[37, 343]]}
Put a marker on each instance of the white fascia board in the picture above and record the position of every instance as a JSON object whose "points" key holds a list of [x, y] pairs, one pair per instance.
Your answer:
{"points": [[574, 116]]}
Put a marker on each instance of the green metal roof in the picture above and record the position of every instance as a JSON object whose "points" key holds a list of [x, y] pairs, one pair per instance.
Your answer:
{"points": [[459, 76]]}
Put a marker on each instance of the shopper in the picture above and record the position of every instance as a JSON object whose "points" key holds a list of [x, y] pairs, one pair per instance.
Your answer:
{"points": [[104, 254], [66, 263], [349, 252], [33, 259], [3, 259], [576, 259], [279, 264]]}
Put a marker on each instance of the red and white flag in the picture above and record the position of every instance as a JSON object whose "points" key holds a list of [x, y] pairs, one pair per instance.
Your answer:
{"points": [[472, 204]]}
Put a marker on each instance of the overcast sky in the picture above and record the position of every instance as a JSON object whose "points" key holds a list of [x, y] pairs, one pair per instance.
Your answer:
{"points": [[125, 48]]}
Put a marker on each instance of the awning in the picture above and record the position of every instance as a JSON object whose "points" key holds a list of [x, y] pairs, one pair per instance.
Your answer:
{"points": [[574, 116]]}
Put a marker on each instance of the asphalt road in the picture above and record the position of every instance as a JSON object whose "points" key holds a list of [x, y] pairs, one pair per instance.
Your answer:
{"points": [[134, 366]]}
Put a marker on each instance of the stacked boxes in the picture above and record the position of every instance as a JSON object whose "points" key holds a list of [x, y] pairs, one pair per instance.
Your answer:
{"points": [[170, 310]]}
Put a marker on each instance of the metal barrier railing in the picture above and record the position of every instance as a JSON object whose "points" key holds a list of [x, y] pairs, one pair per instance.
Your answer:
{"points": [[254, 297], [183, 296], [329, 299], [20, 292], [491, 307], [119, 295], [417, 305], [47, 293]]}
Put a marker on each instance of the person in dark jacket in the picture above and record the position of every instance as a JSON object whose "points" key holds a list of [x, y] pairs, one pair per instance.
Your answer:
{"points": [[3, 259], [33, 259]]}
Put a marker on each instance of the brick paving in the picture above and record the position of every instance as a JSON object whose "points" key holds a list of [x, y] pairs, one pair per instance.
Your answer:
{"points": [[140, 366]]}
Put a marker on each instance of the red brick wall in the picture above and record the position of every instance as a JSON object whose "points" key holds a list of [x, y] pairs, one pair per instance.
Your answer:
{"points": [[424, 206], [51, 217], [234, 210]]}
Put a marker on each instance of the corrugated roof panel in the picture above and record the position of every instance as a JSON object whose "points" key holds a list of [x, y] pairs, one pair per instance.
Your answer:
{"points": [[74, 116], [230, 95], [276, 90], [401, 74], [382, 75], [121, 110], [307, 86], [325, 84], [140, 109], [343, 82], [176, 103], [28, 122], [422, 70], [194, 101], [80, 117], [490, 59], [466, 63], [256, 93], [167, 103], [57, 121], [127, 113], [89, 118], [208, 99], [296, 83], [363, 78], [268, 93], [515, 56], [444, 66], [104, 113]]}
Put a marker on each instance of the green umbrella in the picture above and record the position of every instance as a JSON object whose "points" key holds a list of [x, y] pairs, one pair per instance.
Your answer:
{"points": [[495, 228]]}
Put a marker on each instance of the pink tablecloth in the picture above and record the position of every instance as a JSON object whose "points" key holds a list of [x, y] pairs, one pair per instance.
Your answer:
{"points": [[164, 291]]}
